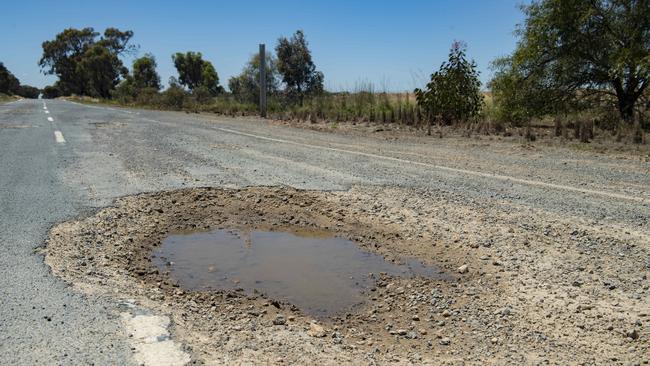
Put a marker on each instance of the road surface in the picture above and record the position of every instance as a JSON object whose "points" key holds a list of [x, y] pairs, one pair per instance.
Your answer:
{"points": [[60, 160]]}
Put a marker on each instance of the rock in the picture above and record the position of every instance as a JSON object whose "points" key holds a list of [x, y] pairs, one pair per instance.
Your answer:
{"points": [[316, 330], [446, 313], [445, 341], [402, 332], [463, 269], [632, 334], [279, 320]]}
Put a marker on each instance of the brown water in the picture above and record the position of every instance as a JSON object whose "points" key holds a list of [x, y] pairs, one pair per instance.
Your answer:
{"points": [[321, 274]]}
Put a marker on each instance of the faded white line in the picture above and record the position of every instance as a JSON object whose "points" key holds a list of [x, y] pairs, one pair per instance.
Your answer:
{"points": [[47, 112], [445, 168], [58, 136], [439, 167], [50, 119], [101, 107]]}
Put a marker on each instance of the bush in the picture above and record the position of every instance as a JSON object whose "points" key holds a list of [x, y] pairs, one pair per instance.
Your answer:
{"points": [[201, 95], [124, 92], [27, 91], [51, 92], [453, 95], [174, 98], [147, 97]]}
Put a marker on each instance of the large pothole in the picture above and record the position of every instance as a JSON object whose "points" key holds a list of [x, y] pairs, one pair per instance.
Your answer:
{"points": [[285, 297], [321, 274]]}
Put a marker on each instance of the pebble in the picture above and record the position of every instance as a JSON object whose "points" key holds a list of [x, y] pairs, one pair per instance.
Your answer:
{"points": [[279, 320], [463, 269], [316, 330], [632, 334]]}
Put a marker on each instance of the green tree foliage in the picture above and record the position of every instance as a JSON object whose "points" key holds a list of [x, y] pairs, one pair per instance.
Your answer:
{"points": [[297, 68], [27, 91], [125, 92], [9, 84], [246, 86], [520, 98], [145, 74], [102, 70], [194, 71], [84, 63], [51, 92], [573, 49], [454, 92], [174, 96]]}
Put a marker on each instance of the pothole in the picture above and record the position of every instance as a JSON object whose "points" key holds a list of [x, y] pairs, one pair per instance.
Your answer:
{"points": [[266, 274], [321, 274]]}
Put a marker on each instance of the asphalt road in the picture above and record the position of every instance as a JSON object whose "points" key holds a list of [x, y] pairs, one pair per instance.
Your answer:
{"points": [[74, 158]]}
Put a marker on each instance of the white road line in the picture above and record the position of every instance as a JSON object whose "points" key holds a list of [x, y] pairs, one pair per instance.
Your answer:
{"points": [[445, 168], [47, 112], [44, 107], [58, 136], [50, 119]]}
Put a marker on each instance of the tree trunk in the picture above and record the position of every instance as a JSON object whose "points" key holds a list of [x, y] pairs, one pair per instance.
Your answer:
{"points": [[627, 97], [626, 102]]}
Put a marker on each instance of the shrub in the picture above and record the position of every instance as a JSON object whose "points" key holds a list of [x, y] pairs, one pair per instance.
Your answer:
{"points": [[174, 98]]}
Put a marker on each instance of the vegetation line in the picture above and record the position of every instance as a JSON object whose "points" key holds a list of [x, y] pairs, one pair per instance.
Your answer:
{"points": [[580, 69]]}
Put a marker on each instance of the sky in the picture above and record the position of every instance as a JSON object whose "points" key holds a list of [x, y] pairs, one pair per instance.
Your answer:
{"points": [[393, 45]]}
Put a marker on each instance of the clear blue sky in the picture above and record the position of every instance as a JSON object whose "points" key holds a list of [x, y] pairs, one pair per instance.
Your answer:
{"points": [[393, 44]]}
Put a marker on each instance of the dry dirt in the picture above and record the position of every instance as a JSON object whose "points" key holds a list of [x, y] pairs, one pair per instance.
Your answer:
{"points": [[535, 288]]}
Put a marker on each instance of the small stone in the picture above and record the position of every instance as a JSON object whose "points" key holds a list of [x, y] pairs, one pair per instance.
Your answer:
{"points": [[316, 330], [445, 341], [279, 320], [632, 334], [446, 313], [411, 335], [463, 269], [402, 332]]}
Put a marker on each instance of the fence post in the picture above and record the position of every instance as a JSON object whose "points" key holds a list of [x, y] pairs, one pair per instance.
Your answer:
{"points": [[262, 81]]}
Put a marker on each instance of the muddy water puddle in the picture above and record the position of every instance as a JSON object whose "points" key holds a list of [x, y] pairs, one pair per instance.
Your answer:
{"points": [[321, 274]]}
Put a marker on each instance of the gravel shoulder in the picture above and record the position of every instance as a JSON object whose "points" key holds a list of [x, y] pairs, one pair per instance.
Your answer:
{"points": [[524, 286]]}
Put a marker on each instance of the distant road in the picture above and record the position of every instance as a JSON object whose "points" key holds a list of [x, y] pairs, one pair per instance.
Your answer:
{"points": [[59, 160]]}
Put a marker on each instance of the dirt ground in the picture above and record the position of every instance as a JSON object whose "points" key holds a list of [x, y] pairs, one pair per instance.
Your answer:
{"points": [[603, 141], [523, 286]]}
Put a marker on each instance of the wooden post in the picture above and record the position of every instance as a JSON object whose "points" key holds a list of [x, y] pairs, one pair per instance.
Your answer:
{"points": [[262, 81]]}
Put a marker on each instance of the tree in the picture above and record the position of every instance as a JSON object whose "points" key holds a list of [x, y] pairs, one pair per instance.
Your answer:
{"points": [[245, 87], [297, 68], [9, 84], [144, 73], [454, 92], [573, 49], [27, 91], [518, 99], [84, 63], [102, 70], [51, 92], [194, 71]]}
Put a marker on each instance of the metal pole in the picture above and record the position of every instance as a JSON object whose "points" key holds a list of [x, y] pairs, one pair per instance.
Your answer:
{"points": [[262, 81]]}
